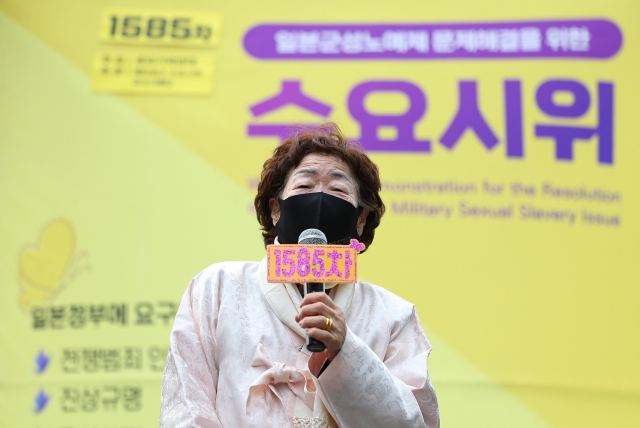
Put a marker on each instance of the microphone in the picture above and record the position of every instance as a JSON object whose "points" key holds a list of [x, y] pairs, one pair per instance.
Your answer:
{"points": [[313, 237]]}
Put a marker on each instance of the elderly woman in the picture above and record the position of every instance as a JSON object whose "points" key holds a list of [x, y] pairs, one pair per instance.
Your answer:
{"points": [[237, 356]]}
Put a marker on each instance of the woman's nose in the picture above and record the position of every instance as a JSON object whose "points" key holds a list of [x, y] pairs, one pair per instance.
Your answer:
{"points": [[321, 187]]}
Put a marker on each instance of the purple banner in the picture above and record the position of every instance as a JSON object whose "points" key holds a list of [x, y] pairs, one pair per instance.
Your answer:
{"points": [[592, 38]]}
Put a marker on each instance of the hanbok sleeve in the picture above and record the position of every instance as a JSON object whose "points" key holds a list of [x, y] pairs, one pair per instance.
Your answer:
{"points": [[364, 391], [190, 375]]}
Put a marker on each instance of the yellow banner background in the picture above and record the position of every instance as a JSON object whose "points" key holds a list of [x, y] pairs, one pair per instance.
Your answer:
{"points": [[111, 203]]}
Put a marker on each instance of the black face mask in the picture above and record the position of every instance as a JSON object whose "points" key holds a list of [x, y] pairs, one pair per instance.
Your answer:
{"points": [[335, 217]]}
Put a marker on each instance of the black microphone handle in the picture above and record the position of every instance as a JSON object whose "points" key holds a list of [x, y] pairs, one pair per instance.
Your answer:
{"points": [[314, 345]]}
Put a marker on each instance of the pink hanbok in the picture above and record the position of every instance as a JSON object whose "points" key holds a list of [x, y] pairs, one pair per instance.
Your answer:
{"points": [[237, 358]]}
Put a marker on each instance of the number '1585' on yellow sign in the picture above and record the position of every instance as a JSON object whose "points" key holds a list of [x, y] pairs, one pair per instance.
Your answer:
{"points": [[160, 28], [313, 263]]}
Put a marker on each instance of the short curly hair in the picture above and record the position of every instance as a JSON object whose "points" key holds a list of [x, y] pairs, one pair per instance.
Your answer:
{"points": [[324, 139]]}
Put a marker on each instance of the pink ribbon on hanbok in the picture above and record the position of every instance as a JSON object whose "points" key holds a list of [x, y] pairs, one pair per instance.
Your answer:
{"points": [[264, 402]]}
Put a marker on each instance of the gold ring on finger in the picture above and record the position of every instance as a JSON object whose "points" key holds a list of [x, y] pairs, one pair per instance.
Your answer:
{"points": [[328, 324]]}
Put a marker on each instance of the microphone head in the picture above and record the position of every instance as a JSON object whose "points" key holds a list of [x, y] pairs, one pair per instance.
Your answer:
{"points": [[312, 237]]}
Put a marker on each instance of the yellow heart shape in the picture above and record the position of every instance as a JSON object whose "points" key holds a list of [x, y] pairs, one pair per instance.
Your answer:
{"points": [[45, 266]]}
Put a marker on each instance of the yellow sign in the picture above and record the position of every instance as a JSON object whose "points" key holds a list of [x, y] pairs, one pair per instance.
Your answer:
{"points": [[313, 263], [160, 28], [153, 73]]}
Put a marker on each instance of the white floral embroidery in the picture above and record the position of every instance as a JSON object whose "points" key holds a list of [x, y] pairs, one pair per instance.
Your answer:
{"points": [[312, 423]]}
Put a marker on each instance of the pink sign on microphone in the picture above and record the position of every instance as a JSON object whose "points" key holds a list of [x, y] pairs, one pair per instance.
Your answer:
{"points": [[313, 263]]}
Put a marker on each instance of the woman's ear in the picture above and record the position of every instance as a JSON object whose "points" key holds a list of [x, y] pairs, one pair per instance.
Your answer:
{"points": [[362, 220], [274, 205]]}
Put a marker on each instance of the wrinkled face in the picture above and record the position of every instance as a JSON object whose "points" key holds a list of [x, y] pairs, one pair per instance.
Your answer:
{"points": [[321, 173]]}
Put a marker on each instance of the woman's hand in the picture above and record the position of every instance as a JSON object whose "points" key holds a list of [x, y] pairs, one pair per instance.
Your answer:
{"points": [[314, 311]]}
